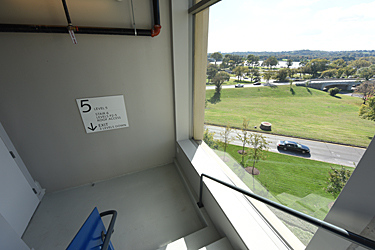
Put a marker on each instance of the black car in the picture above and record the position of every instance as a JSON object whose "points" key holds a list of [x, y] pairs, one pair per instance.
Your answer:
{"points": [[291, 145], [257, 83]]}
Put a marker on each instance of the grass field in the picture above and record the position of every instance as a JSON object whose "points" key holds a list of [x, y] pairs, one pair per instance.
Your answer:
{"points": [[232, 82], [292, 181], [300, 112]]}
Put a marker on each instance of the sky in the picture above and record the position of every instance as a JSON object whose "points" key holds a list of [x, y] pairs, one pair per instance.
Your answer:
{"points": [[285, 25]]}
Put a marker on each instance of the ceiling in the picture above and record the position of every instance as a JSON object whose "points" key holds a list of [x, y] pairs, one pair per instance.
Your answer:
{"points": [[92, 13]]}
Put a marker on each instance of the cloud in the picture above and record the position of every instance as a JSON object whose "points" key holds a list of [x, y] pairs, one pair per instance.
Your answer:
{"points": [[297, 3], [311, 32], [289, 25]]}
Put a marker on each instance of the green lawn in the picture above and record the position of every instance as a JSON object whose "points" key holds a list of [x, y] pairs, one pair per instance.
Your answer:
{"points": [[292, 181], [301, 112], [232, 82], [296, 176]]}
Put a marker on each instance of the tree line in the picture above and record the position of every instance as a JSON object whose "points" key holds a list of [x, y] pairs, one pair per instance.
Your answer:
{"points": [[299, 55], [316, 68]]}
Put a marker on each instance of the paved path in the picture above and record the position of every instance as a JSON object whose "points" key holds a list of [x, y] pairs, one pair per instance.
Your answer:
{"points": [[320, 151]]}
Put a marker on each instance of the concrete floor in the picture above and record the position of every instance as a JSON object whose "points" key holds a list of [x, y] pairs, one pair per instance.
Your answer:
{"points": [[153, 208]]}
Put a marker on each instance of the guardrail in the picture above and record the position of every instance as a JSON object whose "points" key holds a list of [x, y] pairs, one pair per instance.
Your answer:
{"points": [[355, 238]]}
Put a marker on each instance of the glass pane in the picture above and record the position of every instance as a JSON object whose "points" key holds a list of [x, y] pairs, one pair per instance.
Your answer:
{"points": [[290, 69]]}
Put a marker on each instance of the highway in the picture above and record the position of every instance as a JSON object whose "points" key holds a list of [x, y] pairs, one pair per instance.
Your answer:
{"points": [[320, 151]]}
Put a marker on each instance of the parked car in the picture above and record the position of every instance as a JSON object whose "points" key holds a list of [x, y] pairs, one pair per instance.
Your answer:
{"points": [[291, 145], [238, 85], [256, 83]]}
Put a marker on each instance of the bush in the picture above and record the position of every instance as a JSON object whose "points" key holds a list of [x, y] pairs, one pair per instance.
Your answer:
{"points": [[337, 180], [334, 91], [208, 138]]}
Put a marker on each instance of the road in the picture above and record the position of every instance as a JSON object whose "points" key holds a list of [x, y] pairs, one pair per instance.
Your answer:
{"points": [[320, 151]]}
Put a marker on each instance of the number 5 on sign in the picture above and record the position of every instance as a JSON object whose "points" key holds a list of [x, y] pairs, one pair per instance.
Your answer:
{"points": [[103, 113]]}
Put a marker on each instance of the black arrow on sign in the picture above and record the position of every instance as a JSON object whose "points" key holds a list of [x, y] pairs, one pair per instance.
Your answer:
{"points": [[92, 127]]}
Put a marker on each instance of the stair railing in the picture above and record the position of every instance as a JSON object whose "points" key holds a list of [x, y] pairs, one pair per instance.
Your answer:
{"points": [[355, 238]]}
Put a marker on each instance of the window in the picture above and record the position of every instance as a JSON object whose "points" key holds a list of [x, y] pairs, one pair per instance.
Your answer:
{"points": [[247, 43]]}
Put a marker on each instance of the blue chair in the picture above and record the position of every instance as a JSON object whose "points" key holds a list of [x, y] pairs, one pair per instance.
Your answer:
{"points": [[92, 235]]}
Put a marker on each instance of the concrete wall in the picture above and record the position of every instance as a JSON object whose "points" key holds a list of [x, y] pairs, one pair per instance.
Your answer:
{"points": [[42, 75]]}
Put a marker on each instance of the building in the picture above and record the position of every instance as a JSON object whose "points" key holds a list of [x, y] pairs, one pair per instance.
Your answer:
{"points": [[43, 75]]}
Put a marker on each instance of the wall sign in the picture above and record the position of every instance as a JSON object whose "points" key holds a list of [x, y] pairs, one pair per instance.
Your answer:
{"points": [[103, 113]]}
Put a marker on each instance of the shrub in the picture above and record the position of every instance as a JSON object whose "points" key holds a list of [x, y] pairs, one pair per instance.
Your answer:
{"points": [[208, 138], [334, 91], [337, 180]]}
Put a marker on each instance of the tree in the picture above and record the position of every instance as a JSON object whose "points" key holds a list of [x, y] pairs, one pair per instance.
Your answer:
{"points": [[360, 63], [208, 138], [211, 72], [367, 111], [271, 61], [239, 71], [289, 63], [317, 65], [337, 64], [254, 74], [258, 150], [226, 138], [337, 180], [291, 72], [234, 60], [345, 71], [268, 75], [367, 89], [303, 62], [329, 73], [225, 61], [252, 60], [367, 72], [217, 56], [237, 59], [244, 137], [282, 74], [219, 79], [334, 91]]}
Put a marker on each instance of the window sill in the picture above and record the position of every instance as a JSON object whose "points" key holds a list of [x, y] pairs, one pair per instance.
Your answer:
{"points": [[247, 217]]}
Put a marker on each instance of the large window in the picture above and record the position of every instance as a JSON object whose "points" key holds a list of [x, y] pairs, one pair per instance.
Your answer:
{"points": [[288, 82]]}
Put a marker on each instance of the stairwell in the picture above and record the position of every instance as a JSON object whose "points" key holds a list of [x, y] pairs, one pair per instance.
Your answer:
{"points": [[156, 210]]}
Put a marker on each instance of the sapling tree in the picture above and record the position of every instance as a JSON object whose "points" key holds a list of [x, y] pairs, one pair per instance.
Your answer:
{"points": [[258, 151], [244, 136], [226, 138]]}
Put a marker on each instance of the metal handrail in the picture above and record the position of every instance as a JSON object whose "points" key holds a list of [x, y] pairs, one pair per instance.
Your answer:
{"points": [[355, 238], [110, 230]]}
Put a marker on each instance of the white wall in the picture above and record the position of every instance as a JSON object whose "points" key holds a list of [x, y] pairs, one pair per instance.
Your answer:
{"points": [[41, 75], [9, 238]]}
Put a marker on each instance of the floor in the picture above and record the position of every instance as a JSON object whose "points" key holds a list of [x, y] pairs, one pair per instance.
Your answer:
{"points": [[153, 208]]}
